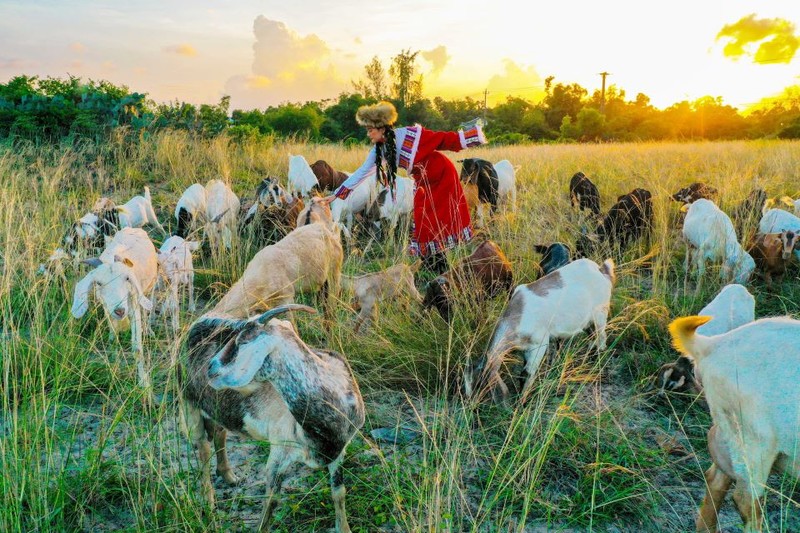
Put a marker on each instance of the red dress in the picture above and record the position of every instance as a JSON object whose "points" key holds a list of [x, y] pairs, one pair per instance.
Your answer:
{"points": [[441, 215]]}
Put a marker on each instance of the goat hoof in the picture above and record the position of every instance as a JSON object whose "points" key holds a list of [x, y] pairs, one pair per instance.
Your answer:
{"points": [[229, 477]]}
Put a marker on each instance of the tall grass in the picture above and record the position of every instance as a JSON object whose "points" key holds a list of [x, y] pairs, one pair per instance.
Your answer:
{"points": [[590, 449]]}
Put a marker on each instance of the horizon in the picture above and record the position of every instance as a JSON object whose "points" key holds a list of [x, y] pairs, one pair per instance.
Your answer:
{"points": [[268, 54]]}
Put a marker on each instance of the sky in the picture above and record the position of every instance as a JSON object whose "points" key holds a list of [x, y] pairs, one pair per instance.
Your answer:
{"points": [[265, 53]]}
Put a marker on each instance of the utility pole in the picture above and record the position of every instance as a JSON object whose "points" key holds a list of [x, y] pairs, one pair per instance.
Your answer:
{"points": [[485, 97], [603, 92]]}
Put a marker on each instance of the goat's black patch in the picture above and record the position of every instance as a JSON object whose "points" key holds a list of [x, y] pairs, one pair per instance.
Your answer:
{"points": [[184, 223]]}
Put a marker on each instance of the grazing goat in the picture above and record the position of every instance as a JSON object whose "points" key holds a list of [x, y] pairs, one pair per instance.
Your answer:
{"points": [[307, 259], [778, 220], [301, 177], [371, 289], [123, 275], [747, 213], [583, 194], [506, 182], [327, 178], [360, 200], [709, 235], [773, 251], [486, 270], [732, 307], [628, 219], [190, 209], [750, 377], [259, 379], [397, 207], [176, 272], [558, 305], [222, 209], [694, 192], [138, 212], [481, 176], [276, 221], [554, 256]]}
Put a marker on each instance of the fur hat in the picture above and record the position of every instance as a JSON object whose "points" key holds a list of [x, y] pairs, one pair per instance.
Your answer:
{"points": [[376, 115]]}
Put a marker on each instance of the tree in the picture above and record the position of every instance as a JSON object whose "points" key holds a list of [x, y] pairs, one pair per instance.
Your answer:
{"points": [[562, 100], [374, 83], [406, 87], [340, 118]]}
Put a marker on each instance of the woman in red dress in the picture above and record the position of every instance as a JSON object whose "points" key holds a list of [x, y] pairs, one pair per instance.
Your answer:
{"points": [[441, 215]]}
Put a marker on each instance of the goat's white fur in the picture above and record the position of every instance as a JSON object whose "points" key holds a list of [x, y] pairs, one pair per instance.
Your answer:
{"points": [[710, 235], [301, 178], [193, 200], [506, 182], [358, 201], [125, 274], [401, 205], [369, 290], [558, 305], [750, 377], [222, 210], [138, 212], [176, 270]]}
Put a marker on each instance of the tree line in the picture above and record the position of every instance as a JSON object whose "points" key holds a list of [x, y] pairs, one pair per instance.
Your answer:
{"points": [[53, 109]]}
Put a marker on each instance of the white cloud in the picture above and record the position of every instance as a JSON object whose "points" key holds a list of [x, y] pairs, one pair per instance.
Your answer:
{"points": [[184, 49], [437, 57]]}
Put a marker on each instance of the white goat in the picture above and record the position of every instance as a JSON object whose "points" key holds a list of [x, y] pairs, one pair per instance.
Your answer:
{"points": [[371, 289], [558, 305], [750, 377], [259, 379], [222, 210], [190, 209], [358, 201], [710, 235], [177, 272], [301, 178], [734, 306], [778, 220], [308, 259], [401, 206], [125, 273], [507, 182], [138, 212]]}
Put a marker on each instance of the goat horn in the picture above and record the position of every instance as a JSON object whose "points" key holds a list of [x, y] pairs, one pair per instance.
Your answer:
{"points": [[283, 309]]}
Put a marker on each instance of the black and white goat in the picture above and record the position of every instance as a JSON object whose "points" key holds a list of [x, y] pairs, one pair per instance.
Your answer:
{"points": [[259, 379]]}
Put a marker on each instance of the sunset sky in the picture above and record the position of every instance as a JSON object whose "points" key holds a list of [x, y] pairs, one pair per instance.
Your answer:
{"points": [[264, 53]]}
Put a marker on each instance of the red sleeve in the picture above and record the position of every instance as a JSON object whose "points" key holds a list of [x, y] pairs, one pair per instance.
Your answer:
{"points": [[437, 140]]}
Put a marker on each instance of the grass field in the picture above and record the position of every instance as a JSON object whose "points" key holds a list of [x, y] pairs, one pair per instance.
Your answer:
{"points": [[592, 450]]}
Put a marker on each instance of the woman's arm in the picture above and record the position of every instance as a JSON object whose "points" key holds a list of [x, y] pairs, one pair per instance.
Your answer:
{"points": [[453, 141], [366, 169]]}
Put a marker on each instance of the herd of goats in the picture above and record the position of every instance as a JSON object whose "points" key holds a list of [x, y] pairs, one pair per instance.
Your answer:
{"points": [[247, 371]]}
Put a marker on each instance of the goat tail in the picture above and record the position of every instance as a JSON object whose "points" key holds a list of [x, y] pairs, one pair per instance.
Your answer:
{"points": [[607, 269], [684, 335]]}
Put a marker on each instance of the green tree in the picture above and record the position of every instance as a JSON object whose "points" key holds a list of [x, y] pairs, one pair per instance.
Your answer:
{"points": [[562, 100], [373, 85], [406, 85]]}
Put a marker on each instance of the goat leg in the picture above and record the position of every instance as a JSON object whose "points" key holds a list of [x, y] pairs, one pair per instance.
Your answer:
{"points": [[223, 466], [717, 485], [338, 493]]}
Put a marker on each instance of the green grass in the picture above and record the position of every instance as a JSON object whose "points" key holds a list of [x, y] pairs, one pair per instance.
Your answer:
{"points": [[592, 449]]}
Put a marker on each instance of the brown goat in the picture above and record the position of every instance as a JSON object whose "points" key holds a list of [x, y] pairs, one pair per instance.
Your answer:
{"points": [[328, 178], [772, 252], [371, 289], [487, 269]]}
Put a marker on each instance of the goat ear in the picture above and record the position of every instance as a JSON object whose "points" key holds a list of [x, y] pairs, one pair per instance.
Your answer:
{"points": [[92, 262], [145, 302], [124, 260], [242, 370], [540, 248], [80, 302]]}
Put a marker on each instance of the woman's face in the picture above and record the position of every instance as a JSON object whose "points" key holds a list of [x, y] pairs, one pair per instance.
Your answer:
{"points": [[375, 135]]}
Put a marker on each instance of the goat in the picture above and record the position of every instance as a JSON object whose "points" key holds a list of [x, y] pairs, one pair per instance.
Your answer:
{"points": [[772, 251], [732, 307], [778, 220], [400, 205], [506, 182], [190, 209], [309, 258], [222, 209], [371, 289], [138, 212], [359, 201], [628, 219], [709, 235], [479, 174], [583, 194], [750, 379], [259, 379], [123, 275], [327, 178], [554, 256], [302, 180], [177, 271], [487, 269], [695, 191], [558, 305]]}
